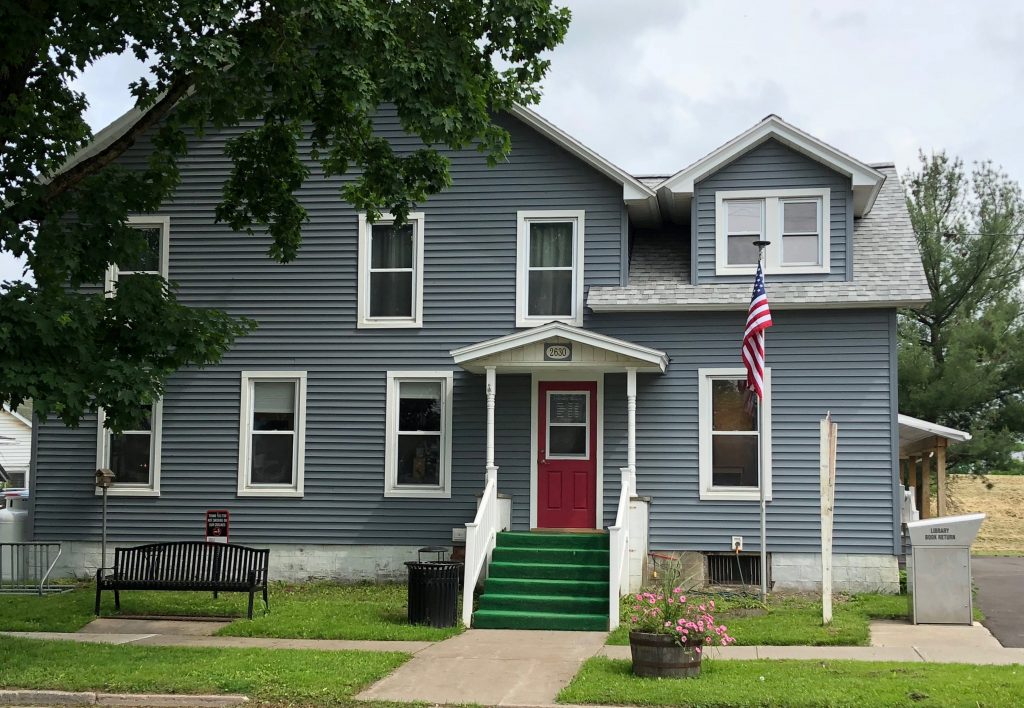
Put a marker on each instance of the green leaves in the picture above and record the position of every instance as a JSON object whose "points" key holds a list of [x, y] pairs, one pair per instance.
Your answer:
{"points": [[303, 78], [962, 355]]}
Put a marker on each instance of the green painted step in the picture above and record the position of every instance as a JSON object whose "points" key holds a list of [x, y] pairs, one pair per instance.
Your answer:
{"points": [[571, 556], [508, 619], [552, 571], [561, 604], [540, 586], [530, 539]]}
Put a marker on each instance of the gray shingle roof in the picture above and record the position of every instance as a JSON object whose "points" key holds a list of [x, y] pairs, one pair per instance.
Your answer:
{"points": [[887, 271]]}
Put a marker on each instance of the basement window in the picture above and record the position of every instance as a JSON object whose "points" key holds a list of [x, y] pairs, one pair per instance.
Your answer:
{"points": [[734, 569]]}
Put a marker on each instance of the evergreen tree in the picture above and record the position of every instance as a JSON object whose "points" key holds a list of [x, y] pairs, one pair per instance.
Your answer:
{"points": [[961, 357]]}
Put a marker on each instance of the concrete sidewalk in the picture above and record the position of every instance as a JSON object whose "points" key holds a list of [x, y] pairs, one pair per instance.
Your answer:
{"points": [[890, 641], [529, 668], [495, 667], [190, 640]]}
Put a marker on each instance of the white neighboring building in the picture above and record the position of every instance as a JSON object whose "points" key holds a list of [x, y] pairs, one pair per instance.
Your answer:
{"points": [[15, 446]]}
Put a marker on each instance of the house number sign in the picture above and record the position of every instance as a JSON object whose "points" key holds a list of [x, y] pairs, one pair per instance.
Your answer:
{"points": [[557, 352]]}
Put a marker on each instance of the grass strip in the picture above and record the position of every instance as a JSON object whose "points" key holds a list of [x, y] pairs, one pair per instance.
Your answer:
{"points": [[278, 676], [318, 610], [785, 684]]}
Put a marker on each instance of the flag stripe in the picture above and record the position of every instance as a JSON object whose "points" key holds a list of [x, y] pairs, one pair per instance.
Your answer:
{"points": [[759, 318]]}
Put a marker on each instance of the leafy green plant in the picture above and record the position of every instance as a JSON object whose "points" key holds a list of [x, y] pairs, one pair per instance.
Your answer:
{"points": [[689, 622]]}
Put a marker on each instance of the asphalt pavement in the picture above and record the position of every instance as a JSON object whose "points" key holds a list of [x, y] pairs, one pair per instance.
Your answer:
{"points": [[1000, 582]]}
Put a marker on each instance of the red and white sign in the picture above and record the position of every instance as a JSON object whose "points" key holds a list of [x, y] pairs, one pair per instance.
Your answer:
{"points": [[217, 523]]}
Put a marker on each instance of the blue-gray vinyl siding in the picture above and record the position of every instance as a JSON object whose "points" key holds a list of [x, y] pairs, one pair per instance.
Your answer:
{"points": [[839, 361], [306, 312], [772, 165]]}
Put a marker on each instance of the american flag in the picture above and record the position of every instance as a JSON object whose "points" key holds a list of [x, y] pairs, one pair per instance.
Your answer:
{"points": [[759, 318]]}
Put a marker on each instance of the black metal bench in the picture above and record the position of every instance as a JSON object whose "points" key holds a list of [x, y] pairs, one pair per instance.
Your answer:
{"points": [[186, 565]]}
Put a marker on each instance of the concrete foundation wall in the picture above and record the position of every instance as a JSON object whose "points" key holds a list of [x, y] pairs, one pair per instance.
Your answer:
{"points": [[850, 572], [296, 563]]}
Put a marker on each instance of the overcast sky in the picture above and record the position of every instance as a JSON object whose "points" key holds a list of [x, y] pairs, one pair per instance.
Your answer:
{"points": [[654, 84]]}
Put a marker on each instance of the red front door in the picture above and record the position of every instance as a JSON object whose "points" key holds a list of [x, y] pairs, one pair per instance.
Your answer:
{"points": [[567, 455]]}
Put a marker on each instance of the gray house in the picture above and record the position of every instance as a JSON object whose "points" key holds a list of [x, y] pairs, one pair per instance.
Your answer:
{"points": [[549, 344]]}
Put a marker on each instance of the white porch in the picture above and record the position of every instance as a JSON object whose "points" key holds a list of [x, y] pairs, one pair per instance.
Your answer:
{"points": [[557, 352]]}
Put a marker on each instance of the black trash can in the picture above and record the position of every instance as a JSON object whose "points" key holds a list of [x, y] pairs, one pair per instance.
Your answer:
{"points": [[434, 592]]}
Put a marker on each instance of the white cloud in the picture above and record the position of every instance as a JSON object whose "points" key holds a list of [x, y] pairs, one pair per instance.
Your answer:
{"points": [[655, 87]]}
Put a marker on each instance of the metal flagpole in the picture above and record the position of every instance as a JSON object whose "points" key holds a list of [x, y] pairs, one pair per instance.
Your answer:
{"points": [[761, 245]]}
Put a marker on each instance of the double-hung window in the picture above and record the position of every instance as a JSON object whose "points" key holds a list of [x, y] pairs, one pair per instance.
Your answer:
{"points": [[391, 272], [272, 433], [795, 221], [132, 455], [418, 451], [151, 258], [549, 282], [735, 436]]}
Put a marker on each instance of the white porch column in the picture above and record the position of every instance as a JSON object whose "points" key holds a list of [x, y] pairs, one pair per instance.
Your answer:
{"points": [[492, 386], [631, 428]]}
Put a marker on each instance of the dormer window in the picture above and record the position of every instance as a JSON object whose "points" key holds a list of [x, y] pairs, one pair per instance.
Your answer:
{"points": [[794, 220]]}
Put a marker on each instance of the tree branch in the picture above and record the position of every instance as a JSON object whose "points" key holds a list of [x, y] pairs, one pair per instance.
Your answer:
{"points": [[74, 175]]}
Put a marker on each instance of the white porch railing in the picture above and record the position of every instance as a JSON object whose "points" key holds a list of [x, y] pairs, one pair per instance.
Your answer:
{"points": [[618, 545], [481, 535]]}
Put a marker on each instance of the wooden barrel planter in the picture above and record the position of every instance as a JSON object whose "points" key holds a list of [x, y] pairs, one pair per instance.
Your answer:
{"points": [[658, 656]]}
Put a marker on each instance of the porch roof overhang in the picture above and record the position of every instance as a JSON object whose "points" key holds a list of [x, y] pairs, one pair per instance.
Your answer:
{"points": [[523, 352], [918, 435]]}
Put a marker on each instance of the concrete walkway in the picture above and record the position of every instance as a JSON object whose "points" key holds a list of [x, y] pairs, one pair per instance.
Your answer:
{"points": [[1000, 584], [890, 641], [529, 668], [492, 667]]}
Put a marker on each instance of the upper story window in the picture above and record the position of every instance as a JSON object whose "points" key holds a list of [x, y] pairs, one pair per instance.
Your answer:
{"points": [[735, 436], [549, 278], [272, 436], [794, 220], [418, 452], [132, 455], [152, 260], [391, 272]]}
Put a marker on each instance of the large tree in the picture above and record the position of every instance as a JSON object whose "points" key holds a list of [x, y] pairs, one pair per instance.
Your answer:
{"points": [[313, 69], [961, 357]]}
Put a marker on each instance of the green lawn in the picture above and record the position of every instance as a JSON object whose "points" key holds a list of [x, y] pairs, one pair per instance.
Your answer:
{"points": [[318, 610], [279, 676], [796, 619], [802, 683]]}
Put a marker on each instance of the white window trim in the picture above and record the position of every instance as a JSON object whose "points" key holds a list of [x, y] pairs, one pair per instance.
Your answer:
{"points": [[772, 215], [548, 424], [391, 486], [245, 487], [155, 443], [523, 220], [707, 491], [164, 224], [363, 319]]}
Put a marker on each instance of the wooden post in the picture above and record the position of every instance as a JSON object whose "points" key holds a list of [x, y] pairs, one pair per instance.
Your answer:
{"points": [[926, 487], [915, 481], [829, 435], [940, 474]]}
